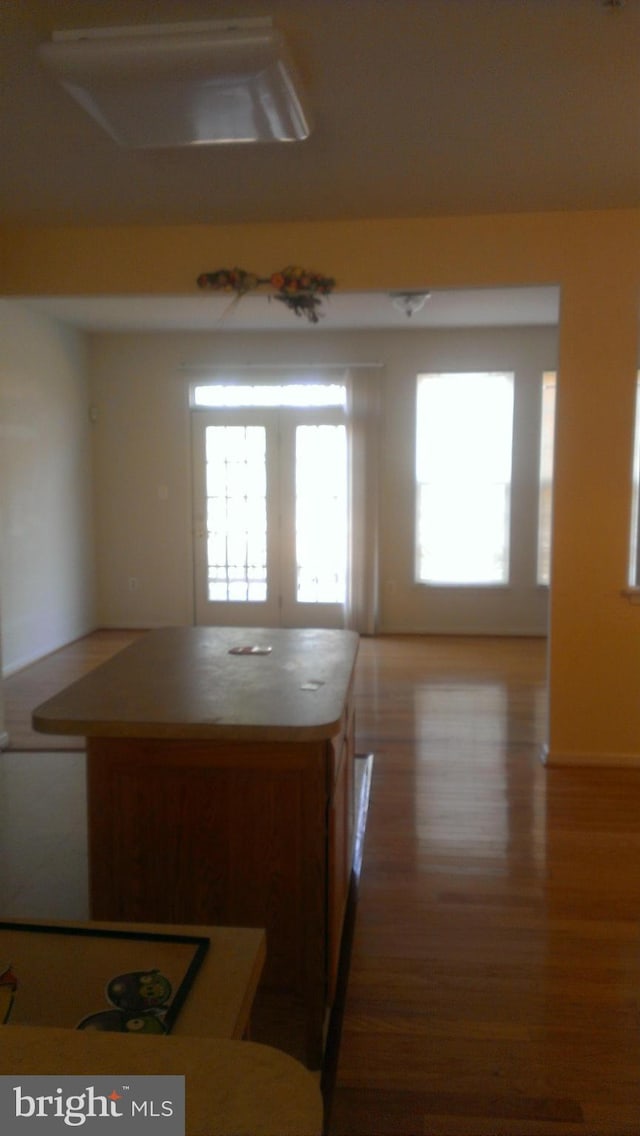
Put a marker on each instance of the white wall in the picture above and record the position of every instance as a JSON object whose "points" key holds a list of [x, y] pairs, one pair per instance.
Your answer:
{"points": [[139, 387], [46, 542]]}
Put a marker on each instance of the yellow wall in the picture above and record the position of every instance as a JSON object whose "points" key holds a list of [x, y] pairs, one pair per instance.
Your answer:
{"points": [[442, 252], [594, 257]]}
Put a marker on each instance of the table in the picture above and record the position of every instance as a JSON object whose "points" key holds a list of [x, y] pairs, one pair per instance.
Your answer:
{"points": [[220, 790], [233, 1088], [220, 997]]}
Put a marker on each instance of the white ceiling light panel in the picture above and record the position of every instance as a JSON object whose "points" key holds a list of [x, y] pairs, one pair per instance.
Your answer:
{"points": [[172, 85]]}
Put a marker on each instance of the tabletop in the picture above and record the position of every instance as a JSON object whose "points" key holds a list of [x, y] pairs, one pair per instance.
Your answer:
{"points": [[233, 1088]]}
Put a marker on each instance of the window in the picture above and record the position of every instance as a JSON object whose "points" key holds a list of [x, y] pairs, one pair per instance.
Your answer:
{"points": [[463, 478], [545, 475], [217, 395]]}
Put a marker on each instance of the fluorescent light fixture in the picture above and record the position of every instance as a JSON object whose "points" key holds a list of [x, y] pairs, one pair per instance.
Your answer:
{"points": [[197, 84]]}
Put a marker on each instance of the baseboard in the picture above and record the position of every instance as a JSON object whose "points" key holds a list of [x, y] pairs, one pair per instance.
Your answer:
{"points": [[555, 759], [27, 661], [462, 632], [9, 669]]}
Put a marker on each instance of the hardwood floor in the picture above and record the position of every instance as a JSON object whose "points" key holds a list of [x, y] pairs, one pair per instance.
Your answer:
{"points": [[495, 971], [494, 987], [27, 688]]}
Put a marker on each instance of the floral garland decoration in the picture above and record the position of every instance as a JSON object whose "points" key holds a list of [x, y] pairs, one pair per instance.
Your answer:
{"points": [[302, 291]]}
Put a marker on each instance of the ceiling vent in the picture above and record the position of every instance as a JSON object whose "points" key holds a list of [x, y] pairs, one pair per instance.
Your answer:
{"points": [[198, 84]]}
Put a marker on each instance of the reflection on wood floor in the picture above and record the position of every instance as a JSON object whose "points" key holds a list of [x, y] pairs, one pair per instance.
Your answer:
{"points": [[495, 972]]}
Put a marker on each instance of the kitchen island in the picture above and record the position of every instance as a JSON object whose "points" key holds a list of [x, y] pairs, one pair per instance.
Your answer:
{"points": [[220, 790]]}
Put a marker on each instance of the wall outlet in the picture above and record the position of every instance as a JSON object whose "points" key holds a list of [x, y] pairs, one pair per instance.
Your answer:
{"points": [[134, 583]]}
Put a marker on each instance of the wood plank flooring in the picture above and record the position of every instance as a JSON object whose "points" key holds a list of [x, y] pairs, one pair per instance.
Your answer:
{"points": [[495, 972], [34, 684], [494, 987]]}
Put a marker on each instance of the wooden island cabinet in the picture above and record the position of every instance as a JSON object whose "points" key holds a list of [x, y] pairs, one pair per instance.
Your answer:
{"points": [[220, 790]]}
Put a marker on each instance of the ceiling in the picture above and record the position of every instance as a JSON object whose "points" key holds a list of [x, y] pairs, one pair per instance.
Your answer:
{"points": [[490, 307], [420, 107]]}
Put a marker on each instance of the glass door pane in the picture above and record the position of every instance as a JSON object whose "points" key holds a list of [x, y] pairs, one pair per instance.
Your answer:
{"points": [[321, 514], [235, 480], [236, 458], [314, 517]]}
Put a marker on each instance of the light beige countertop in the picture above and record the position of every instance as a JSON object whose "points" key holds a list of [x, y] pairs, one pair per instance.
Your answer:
{"points": [[233, 1088], [182, 682]]}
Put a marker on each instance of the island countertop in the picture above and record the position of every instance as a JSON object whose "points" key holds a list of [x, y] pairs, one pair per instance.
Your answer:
{"points": [[183, 682]]}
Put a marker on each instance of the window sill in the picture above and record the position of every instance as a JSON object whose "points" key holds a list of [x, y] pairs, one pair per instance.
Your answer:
{"points": [[438, 585]]}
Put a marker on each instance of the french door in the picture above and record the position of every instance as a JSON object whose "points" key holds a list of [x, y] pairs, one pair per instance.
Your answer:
{"points": [[270, 516]]}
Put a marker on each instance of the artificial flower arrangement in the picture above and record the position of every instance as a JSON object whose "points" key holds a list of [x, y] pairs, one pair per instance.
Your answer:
{"points": [[299, 289]]}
